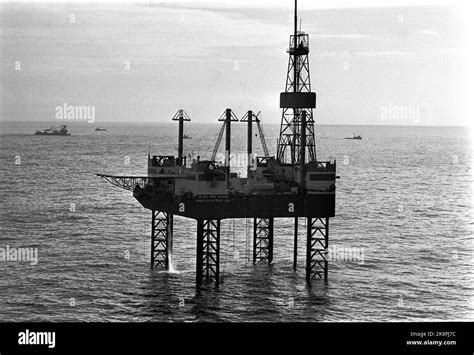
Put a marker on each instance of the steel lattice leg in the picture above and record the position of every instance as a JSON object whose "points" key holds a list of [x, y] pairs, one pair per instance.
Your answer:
{"points": [[208, 250], [161, 239], [316, 248], [263, 240]]}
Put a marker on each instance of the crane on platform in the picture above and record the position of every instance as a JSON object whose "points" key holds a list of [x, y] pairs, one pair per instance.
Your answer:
{"points": [[218, 142], [262, 136], [255, 118]]}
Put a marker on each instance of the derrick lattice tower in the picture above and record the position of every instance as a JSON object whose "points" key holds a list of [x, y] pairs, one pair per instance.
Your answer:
{"points": [[296, 143]]}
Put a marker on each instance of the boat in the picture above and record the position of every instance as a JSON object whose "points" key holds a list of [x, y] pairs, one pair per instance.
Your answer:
{"points": [[53, 131], [100, 129], [354, 137], [187, 137]]}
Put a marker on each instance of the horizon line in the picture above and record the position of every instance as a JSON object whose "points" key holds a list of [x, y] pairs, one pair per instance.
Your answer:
{"points": [[211, 122]]}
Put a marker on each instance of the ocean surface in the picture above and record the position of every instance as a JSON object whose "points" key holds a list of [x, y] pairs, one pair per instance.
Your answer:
{"points": [[404, 215]]}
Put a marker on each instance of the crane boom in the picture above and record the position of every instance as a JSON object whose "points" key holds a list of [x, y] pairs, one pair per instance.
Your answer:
{"points": [[218, 142], [262, 136]]}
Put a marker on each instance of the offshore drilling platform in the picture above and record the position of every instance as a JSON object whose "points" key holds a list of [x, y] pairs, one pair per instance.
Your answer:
{"points": [[291, 184]]}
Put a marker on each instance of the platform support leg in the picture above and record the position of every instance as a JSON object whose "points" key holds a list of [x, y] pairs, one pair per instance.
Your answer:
{"points": [[317, 248], [161, 239], [295, 245], [208, 250], [262, 240]]}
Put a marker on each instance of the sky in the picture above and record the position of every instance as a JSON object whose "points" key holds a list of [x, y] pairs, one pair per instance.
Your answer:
{"points": [[141, 62]]}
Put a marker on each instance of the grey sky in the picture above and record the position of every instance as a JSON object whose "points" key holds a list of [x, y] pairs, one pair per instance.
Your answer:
{"points": [[141, 62]]}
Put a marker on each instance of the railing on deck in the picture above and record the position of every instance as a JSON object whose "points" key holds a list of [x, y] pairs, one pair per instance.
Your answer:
{"points": [[126, 182]]}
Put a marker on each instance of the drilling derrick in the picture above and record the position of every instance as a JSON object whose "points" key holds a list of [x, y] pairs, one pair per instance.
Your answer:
{"points": [[296, 144]]}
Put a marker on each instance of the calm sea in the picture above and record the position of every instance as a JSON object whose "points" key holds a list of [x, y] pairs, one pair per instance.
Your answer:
{"points": [[402, 237]]}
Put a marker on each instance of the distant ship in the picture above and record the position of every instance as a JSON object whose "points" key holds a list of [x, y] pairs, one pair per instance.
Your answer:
{"points": [[187, 137], [100, 129], [53, 131], [354, 137]]}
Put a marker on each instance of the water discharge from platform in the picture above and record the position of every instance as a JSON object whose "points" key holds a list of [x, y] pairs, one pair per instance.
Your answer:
{"points": [[171, 268]]}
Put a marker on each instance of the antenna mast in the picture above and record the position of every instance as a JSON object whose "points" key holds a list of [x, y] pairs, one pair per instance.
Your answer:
{"points": [[295, 71]]}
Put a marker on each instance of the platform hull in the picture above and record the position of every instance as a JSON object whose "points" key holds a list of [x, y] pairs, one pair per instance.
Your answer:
{"points": [[250, 206]]}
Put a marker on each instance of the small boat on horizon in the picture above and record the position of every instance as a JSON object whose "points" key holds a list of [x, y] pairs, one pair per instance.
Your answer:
{"points": [[100, 129], [187, 137], [354, 137], [53, 131]]}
